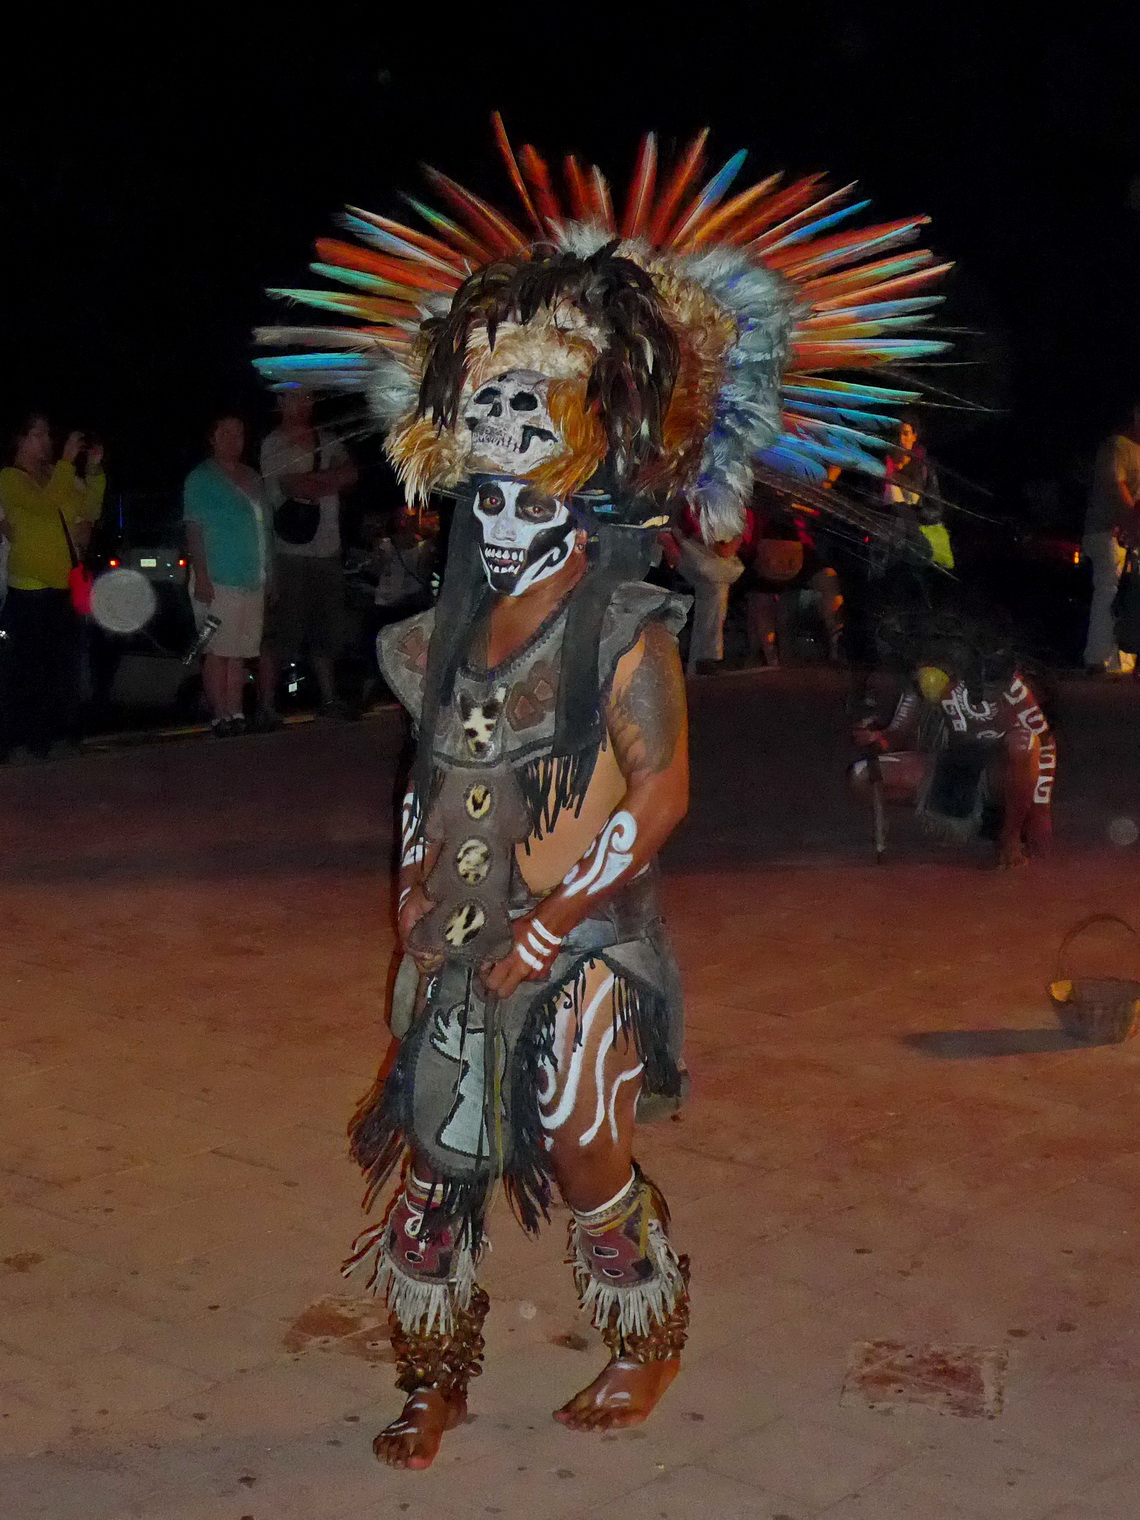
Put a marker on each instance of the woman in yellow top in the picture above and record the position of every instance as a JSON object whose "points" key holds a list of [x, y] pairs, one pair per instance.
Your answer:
{"points": [[42, 505]]}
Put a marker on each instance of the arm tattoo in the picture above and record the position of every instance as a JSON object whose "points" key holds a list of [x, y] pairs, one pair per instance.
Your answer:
{"points": [[647, 716]]}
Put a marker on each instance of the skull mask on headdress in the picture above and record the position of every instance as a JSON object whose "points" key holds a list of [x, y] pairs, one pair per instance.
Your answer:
{"points": [[524, 535], [510, 423]]}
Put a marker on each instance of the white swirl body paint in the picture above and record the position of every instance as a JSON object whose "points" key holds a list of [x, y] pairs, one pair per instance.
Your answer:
{"points": [[565, 1107], [411, 849], [611, 855]]}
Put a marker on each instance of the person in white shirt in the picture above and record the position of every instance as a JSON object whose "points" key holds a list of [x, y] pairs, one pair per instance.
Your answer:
{"points": [[1112, 526], [305, 472]]}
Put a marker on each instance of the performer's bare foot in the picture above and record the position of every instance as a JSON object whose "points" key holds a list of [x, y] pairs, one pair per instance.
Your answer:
{"points": [[624, 1393], [413, 1440]]}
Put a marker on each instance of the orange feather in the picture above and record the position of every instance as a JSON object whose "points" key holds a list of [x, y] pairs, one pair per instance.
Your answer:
{"points": [[576, 185], [602, 202], [517, 180], [719, 220], [788, 200], [502, 236], [849, 288], [641, 188], [683, 176], [789, 225], [537, 172], [842, 247], [407, 279], [437, 251]]}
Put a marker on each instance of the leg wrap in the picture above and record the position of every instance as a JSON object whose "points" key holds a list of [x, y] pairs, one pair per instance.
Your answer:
{"points": [[427, 1281], [629, 1278], [430, 1359]]}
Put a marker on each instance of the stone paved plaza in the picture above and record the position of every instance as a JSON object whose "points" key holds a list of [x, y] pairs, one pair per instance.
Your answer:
{"points": [[888, 1142]]}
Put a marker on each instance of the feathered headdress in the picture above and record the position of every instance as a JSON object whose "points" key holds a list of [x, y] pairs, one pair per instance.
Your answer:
{"points": [[679, 345]]}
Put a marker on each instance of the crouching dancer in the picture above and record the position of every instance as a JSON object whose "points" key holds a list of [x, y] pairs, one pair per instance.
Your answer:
{"points": [[970, 749]]}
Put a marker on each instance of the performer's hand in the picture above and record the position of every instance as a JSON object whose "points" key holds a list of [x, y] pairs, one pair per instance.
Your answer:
{"points": [[72, 447], [531, 960], [94, 457], [871, 738], [414, 905]]}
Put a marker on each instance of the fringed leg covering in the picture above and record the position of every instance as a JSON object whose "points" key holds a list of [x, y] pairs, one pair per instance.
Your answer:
{"points": [[426, 1359], [428, 1281], [629, 1278]]}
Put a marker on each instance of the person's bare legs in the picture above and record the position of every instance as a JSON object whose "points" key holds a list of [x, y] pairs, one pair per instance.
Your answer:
{"points": [[825, 583], [760, 621], [235, 687], [215, 683], [588, 1111]]}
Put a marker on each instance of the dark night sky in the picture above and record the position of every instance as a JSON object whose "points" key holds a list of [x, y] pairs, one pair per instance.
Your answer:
{"points": [[150, 192]]}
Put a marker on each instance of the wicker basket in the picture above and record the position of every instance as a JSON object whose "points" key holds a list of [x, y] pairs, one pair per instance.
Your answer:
{"points": [[1101, 1010]]}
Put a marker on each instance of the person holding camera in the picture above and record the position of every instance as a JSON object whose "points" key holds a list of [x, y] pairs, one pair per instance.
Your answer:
{"points": [[305, 473], [49, 507]]}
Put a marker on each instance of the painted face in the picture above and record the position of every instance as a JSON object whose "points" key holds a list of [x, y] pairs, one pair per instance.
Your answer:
{"points": [[524, 536]]}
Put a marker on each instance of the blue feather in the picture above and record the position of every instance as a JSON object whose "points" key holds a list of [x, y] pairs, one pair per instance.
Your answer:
{"points": [[818, 226]]}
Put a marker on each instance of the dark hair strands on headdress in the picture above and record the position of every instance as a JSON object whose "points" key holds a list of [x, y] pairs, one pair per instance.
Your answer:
{"points": [[633, 378]]}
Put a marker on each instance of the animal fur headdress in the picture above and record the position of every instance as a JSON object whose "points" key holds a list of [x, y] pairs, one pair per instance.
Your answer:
{"points": [[669, 351]]}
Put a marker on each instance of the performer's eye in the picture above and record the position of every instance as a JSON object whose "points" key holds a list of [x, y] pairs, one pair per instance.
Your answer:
{"points": [[491, 500], [537, 509]]}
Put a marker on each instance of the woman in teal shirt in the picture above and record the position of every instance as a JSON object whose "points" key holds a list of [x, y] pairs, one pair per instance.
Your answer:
{"points": [[224, 511]]}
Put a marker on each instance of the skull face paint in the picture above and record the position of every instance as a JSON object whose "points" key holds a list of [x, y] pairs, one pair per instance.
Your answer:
{"points": [[524, 536], [511, 429]]}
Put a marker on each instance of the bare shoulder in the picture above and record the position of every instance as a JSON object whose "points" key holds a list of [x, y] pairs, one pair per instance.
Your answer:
{"points": [[646, 712]]}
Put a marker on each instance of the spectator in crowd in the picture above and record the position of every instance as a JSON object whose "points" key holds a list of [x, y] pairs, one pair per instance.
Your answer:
{"points": [[48, 511], [305, 473], [1112, 526], [711, 570], [226, 541], [784, 563], [911, 492], [390, 578]]}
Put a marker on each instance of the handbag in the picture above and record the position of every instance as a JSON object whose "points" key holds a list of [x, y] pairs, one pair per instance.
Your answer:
{"points": [[296, 522], [79, 578]]}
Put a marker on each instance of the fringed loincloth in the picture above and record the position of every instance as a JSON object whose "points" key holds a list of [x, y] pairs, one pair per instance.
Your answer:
{"points": [[464, 1090]]}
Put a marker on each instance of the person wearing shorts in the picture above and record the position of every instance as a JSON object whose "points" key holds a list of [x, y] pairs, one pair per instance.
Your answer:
{"points": [[224, 514]]}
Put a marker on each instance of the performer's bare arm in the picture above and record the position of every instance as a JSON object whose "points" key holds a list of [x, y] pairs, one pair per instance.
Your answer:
{"points": [[898, 732], [648, 728], [418, 855]]}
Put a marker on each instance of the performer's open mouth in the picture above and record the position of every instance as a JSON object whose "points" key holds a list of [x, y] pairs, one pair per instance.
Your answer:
{"points": [[504, 559]]}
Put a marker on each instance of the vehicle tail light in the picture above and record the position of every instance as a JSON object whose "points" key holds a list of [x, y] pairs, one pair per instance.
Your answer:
{"points": [[114, 564]]}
